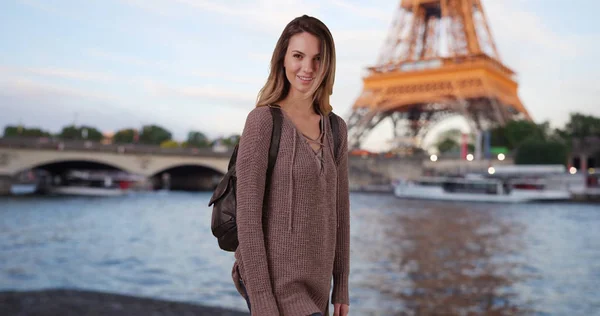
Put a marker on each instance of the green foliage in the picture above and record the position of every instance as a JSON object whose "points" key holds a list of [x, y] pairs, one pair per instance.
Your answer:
{"points": [[197, 139], [124, 136], [19, 131], [154, 135], [541, 152], [72, 132], [498, 137], [231, 141], [580, 126], [448, 145], [169, 144], [450, 141], [517, 132]]}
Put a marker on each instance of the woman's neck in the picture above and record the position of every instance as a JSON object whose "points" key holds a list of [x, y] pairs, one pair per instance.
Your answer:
{"points": [[296, 103]]}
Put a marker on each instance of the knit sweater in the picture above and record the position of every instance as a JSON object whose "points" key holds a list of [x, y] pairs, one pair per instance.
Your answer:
{"points": [[288, 254]]}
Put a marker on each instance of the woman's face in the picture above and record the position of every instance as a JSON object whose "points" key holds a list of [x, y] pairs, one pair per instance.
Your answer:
{"points": [[302, 61]]}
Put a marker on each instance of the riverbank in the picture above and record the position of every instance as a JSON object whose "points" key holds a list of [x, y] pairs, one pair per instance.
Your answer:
{"points": [[75, 302]]}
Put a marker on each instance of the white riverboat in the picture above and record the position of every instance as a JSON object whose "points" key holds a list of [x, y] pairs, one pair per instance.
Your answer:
{"points": [[94, 183], [509, 185], [23, 188]]}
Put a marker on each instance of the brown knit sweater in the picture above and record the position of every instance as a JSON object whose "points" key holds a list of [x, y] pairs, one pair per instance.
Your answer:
{"points": [[288, 255]]}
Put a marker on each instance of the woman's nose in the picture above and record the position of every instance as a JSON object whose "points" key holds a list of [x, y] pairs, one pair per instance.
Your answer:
{"points": [[308, 66]]}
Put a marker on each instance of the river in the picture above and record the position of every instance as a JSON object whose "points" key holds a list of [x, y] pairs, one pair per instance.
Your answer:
{"points": [[407, 257]]}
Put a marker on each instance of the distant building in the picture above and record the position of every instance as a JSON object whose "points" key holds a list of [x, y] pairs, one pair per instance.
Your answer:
{"points": [[107, 138], [219, 147], [585, 154]]}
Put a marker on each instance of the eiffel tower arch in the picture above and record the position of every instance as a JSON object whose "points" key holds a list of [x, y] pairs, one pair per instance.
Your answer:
{"points": [[439, 60]]}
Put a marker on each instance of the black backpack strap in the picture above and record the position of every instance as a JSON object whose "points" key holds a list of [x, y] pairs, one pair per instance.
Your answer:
{"points": [[275, 138], [335, 130]]}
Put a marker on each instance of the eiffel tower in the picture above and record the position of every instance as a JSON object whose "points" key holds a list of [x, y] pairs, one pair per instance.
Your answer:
{"points": [[439, 61]]}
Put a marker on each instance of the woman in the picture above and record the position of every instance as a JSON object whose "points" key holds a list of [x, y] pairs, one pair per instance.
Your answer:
{"points": [[289, 252]]}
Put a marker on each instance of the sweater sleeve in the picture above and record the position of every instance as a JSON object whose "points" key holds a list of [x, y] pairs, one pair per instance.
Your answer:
{"points": [[341, 267], [251, 169]]}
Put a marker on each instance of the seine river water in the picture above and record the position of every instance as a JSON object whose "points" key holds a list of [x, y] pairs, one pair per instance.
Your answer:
{"points": [[408, 257]]}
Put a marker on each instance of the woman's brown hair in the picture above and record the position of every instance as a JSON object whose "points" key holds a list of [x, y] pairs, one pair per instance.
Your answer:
{"points": [[277, 86]]}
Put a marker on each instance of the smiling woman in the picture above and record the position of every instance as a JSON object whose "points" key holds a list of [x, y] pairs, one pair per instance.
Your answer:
{"points": [[295, 241]]}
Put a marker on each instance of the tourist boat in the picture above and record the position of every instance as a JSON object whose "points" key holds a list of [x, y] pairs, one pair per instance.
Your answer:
{"points": [[25, 183], [506, 186], [94, 183], [476, 190], [23, 188]]}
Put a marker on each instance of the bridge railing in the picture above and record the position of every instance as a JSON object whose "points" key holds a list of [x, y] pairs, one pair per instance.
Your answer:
{"points": [[46, 143]]}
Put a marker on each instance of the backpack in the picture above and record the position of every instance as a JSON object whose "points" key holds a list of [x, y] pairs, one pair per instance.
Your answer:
{"points": [[223, 200]]}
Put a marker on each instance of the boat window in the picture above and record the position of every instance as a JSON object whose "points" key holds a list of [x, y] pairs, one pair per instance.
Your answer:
{"points": [[470, 187]]}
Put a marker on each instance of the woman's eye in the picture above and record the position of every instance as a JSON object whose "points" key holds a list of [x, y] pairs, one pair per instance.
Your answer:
{"points": [[318, 58], [297, 56]]}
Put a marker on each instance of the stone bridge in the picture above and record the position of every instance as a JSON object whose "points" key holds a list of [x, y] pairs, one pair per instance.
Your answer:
{"points": [[19, 155]]}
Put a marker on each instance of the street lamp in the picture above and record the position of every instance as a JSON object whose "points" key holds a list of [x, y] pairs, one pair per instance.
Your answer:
{"points": [[433, 158], [470, 157], [501, 157]]}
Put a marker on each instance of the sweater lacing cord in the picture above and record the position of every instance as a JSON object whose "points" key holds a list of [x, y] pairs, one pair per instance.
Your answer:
{"points": [[291, 185]]}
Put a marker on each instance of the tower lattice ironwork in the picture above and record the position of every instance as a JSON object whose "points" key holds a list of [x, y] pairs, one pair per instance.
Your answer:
{"points": [[439, 60]]}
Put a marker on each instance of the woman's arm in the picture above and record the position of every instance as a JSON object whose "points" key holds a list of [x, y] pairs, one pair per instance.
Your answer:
{"points": [[251, 169], [341, 267]]}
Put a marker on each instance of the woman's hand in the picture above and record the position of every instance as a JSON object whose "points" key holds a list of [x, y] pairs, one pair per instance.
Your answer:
{"points": [[340, 309]]}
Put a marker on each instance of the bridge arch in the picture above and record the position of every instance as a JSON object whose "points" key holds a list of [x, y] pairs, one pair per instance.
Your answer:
{"points": [[217, 165], [187, 177], [76, 162], [174, 166]]}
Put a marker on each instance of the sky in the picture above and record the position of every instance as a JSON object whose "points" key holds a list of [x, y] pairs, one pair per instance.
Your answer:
{"points": [[198, 64]]}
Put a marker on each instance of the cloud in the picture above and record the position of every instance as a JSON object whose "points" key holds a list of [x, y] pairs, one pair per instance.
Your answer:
{"points": [[28, 88], [153, 6], [57, 72], [514, 24], [40, 6], [260, 57], [361, 11], [52, 106], [226, 77], [200, 93], [264, 15], [173, 69]]}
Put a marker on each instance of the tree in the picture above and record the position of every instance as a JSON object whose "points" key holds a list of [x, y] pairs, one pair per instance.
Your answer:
{"points": [[580, 126], [169, 144], [498, 137], [197, 139], [541, 152], [124, 136], [231, 141], [517, 132], [91, 133], [16, 131], [450, 141], [447, 145], [72, 132], [154, 135]]}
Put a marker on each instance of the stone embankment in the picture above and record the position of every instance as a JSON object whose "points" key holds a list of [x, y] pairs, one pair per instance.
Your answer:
{"points": [[75, 303]]}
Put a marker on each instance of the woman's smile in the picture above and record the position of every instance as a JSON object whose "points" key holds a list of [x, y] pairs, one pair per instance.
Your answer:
{"points": [[305, 80]]}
